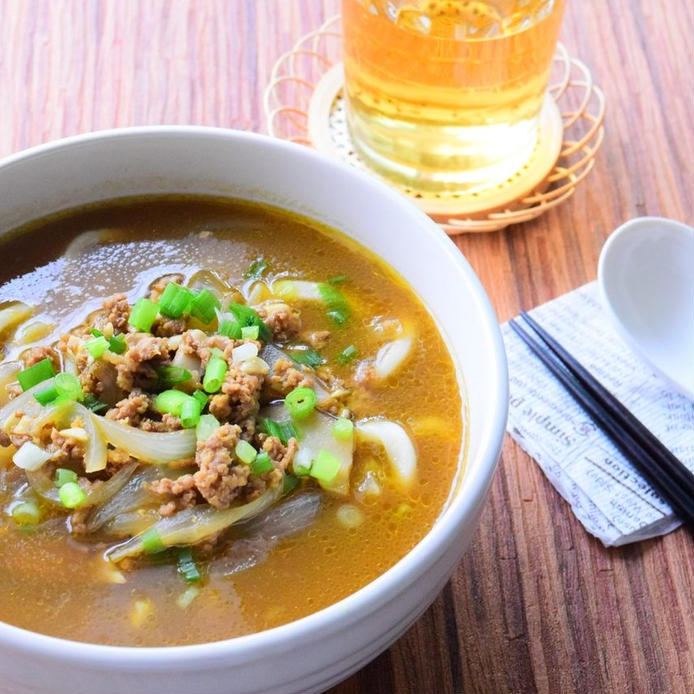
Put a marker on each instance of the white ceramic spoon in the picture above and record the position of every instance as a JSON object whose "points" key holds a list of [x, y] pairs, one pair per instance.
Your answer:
{"points": [[646, 276]]}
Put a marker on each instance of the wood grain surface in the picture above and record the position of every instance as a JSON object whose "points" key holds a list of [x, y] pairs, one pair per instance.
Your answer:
{"points": [[536, 605]]}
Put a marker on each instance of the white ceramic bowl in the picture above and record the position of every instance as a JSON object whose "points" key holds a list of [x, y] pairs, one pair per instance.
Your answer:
{"points": [[646, 275], [313, 653]]}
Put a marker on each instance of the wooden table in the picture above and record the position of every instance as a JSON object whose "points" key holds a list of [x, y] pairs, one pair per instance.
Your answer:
{"points": [[536, 605]]}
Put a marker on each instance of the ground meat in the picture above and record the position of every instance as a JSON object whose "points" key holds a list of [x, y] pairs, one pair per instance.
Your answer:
{"points": [[283, 321], [248, 428], [239, 397], [192, 341], [168, 327], [131, 409], [4, 439], [100, 378], [317, 339], [115, 459], [225, 344], [137, 369], [158, 286], [169, 422], [217, 479], [179, 493], [65, 447], [280, 454], [286, 377], [116, 313], [36, 354], [78, 521]]}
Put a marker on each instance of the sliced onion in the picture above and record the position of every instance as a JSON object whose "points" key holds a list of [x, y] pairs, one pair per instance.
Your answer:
{"points": [[102, 493], [95, 450], [147, 446], [30, 456], [297, 289], [317, 434], [131, 522], [254, 365], [134, 494], [192, 525], [14, 314], [43, 486], [391, 356], [271, 354], [26, 402], [247, 350], [186, 361], [397, 444]]}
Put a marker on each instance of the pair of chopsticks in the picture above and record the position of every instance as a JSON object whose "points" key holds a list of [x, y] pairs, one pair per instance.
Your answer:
{"points": [[649, 456]]}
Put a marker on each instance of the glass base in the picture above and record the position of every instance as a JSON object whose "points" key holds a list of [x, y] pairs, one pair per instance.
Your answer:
{"points": [[434, 159]]}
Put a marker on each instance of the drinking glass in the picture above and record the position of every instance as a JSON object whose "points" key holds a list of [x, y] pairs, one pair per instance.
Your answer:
{"points": [[444, 96]]}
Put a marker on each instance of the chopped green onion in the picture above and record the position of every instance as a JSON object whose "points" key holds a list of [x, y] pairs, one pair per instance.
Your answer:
{"points": [[289, 483], [281, 430], [69, 386], [96, 347], [92, 403], [204, 305], [347, 355], [214, 374], [143, 314], [26, 513], [47, 395], [63, 476], [190, 412], [246, 316], [261, 464], [116, 343], [343, 429], [300, 402], [202, 398], [256, 269], [245, 452], [71, 495], [325, 467], [41, 371], [230, 328], [206, 426], [303, 460], [175, 300], [170, 401], [339, 317], [151, 542], [338, 279], [250, 332], [309, 357], [172, 375], [187, 566], [338, 308]]}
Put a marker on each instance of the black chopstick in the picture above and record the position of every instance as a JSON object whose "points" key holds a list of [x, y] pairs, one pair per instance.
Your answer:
{"points": [[640, 433], [657, 469]]}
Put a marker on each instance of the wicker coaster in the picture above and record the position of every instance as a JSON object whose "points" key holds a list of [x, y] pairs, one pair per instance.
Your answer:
{"points": [[303, 103]]}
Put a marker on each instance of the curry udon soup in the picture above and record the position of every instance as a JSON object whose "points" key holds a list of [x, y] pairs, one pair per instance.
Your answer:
{"points": [[216, 418]]}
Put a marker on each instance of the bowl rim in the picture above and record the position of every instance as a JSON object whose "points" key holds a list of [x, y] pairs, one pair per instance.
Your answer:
{"points": [[385, 587]]}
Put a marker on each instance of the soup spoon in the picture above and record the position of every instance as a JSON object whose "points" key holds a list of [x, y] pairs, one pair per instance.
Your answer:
{"points": [[646, 277]]}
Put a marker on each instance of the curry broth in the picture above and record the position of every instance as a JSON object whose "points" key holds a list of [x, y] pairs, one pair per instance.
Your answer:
{"points": [[54, 584]]}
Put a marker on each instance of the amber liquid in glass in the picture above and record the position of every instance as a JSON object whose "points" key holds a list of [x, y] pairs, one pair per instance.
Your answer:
{"points": [[444, 96]]}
